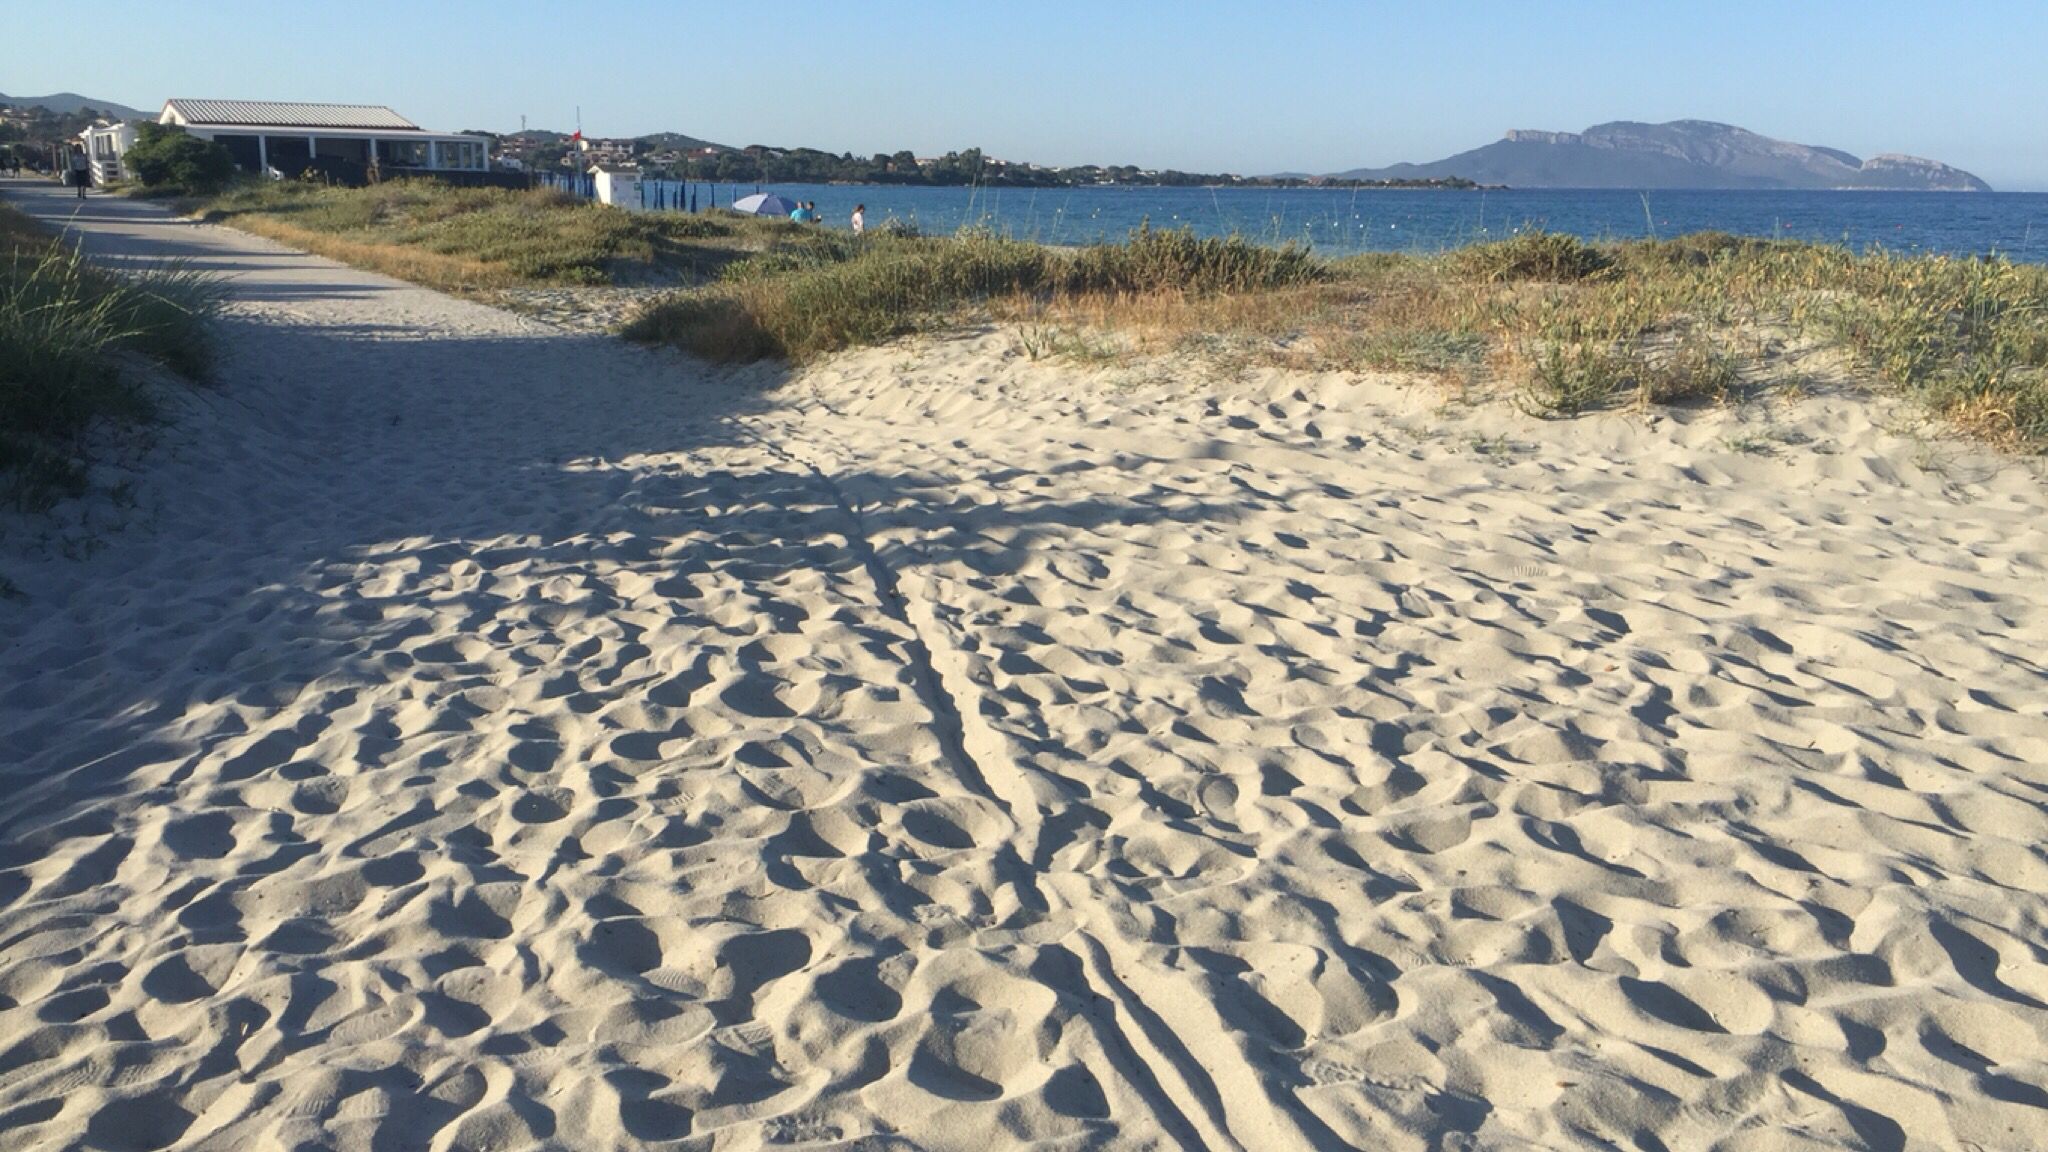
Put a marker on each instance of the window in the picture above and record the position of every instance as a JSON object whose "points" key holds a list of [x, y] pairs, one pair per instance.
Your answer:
{"points": [[403, 153]]}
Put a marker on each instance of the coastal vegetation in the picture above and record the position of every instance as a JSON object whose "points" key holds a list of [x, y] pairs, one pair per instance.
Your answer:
{"points": [[474, 239], [676, 157], [1565, 326], [759, 165], [72, 338], [820, 292], [167, 161]]}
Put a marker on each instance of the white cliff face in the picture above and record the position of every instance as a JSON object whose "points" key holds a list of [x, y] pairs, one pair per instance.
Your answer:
{"points": [[1932, 173], [1538, 136]]}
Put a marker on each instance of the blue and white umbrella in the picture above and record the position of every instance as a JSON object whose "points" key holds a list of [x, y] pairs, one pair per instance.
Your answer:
{"points": [[764, 204]]}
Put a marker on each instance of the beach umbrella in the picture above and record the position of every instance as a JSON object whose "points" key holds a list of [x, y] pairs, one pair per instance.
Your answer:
{"points": [[764, 204]]}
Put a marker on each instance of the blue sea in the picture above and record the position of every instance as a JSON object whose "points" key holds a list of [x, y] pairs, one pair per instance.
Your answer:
{"points": [[1343, 221]]}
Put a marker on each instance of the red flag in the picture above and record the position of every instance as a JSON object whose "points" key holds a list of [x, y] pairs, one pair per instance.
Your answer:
{"points": [[577, 135]]}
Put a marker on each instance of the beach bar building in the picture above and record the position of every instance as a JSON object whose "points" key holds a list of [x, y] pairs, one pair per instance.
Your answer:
{"points": [[263, 134]]}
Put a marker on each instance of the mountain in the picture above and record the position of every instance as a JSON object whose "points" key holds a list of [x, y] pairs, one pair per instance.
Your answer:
{"points": [[69, 103], [1681, 154]]}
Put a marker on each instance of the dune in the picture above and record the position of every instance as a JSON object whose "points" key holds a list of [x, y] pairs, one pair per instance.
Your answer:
{"points": [[481, 735]]}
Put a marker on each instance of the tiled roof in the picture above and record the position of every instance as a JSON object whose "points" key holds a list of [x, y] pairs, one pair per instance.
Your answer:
{"points": [[277, 115]]}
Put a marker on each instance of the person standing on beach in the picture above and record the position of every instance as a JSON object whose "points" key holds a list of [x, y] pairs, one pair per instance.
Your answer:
{"points": [[860, 219]]}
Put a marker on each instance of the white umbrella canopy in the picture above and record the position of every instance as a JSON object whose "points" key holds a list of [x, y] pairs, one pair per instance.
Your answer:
{"points": [[764, 204]]}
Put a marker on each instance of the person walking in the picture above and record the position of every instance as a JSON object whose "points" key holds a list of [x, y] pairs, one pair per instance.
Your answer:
{"points": [[81, 172], [860, 219]]}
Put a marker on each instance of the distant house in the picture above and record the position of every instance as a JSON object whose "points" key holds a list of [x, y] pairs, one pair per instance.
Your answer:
{"points": [[599, 153], [262, 135], [104, 145]]}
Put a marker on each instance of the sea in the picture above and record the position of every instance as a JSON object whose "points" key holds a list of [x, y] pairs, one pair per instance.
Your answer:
{"points": [[1344, 221]]}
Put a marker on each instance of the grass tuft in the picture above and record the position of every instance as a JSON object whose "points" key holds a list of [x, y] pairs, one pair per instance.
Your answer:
{"points": [[1180, 261], [65, 329], [1533, 255]]}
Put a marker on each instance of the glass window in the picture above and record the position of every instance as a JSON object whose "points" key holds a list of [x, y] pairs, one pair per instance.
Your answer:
{"points": [[403, 153]]}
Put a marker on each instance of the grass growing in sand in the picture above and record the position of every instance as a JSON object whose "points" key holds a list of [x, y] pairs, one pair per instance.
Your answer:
{"points": [[1568, 327], [822, 293], [68, 332], [476, 239]]}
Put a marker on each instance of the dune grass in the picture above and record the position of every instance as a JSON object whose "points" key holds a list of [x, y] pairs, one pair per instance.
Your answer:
{"points": [[1570, 327], [817, 294], [478, 239], [68, 335], [1567, 327]]}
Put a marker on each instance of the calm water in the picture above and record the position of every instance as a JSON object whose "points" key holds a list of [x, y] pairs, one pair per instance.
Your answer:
{"points": [[1340, 221]]}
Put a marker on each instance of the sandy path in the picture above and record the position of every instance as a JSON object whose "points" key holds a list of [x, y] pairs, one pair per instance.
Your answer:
{"points": [[489, 737]]}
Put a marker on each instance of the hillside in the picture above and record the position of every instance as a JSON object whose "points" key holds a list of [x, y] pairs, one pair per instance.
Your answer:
{"points": [[70, 103], [1681, 154]]}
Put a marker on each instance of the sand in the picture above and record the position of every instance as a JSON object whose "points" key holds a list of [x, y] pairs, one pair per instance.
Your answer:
{"points": [[476, 735]]}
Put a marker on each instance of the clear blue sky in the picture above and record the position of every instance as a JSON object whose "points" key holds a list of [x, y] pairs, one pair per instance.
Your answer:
{"points": [[1254, 86]]}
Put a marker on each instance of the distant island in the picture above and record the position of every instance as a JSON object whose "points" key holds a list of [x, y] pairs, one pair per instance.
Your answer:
{"points": [[678, 157], [1681, 154]]}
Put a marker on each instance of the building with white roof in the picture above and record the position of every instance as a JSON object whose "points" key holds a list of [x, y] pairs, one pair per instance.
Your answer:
{"points": [[262, 135]]}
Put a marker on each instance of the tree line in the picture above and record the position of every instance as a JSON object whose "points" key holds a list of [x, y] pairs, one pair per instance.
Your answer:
{"points": [[760, 164]]}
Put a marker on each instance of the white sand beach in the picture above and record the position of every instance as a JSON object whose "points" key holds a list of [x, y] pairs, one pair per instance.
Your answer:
{"points": [[479, 735]]}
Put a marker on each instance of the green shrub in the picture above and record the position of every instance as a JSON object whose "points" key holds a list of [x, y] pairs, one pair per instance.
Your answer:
{"points": [[879, 291], [1180, 261], [1573, 379], [1695, 249], [1533, 255], [165, 159], [1695, 372], [1966, 337]]}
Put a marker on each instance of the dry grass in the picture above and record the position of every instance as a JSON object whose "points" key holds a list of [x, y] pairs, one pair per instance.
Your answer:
{"points": [[811, 295], [449, 273], [69, 336], [1572, 327], [469, 240]]}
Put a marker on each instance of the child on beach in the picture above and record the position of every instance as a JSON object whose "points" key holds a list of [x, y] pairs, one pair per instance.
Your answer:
{"points": [[860, 219]]}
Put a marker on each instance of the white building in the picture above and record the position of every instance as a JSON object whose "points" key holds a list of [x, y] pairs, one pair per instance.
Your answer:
{"points": [[263, 134], [618, 186], [605, 153], [104, 144]]}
